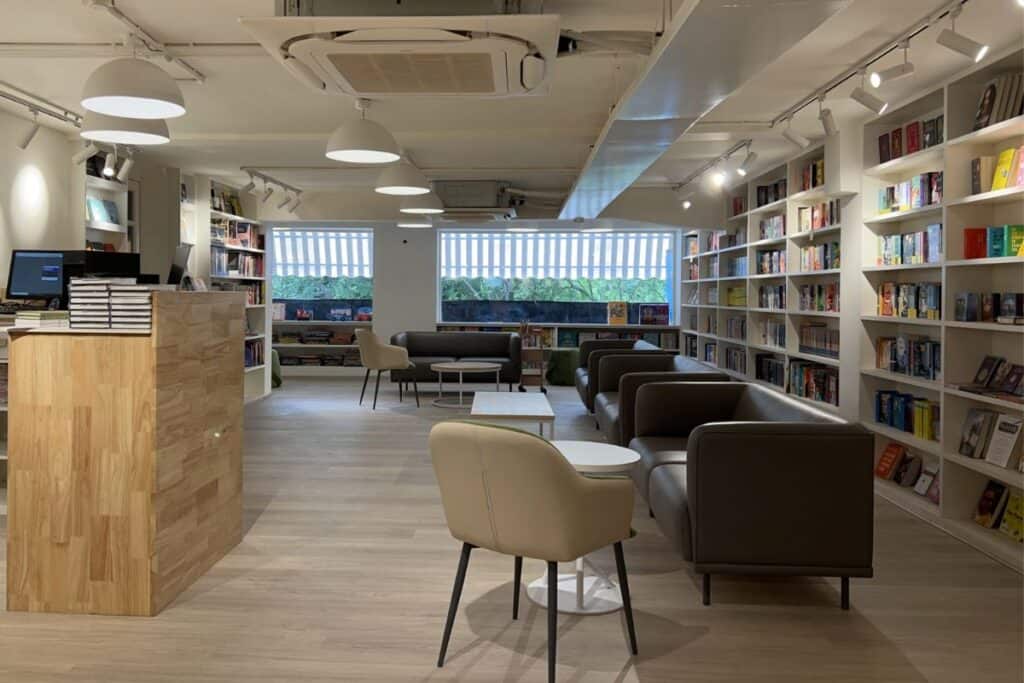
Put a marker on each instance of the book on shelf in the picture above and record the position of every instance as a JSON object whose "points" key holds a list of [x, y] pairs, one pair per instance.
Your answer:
{"points": [[924, 482], [618, 312], [982, 172], [1012, 523], [909, 471], [922, 246], [934, 493], [910, 300], [653, 314], [911, 356], [771, 369], [1004, 308], [908, 413], [896, 143], [814, 381], [889, 461], [989, 510], [1005, 174], [1002, 448], [975, 432], [913, 137], [1000, 99]]}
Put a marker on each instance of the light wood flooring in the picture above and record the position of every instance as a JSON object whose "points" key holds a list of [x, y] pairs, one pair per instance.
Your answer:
{"points": [[346, 568]]}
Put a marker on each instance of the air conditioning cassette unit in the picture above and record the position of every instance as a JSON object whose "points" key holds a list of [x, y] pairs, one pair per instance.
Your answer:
{"points": [[387, 57], [475, 200]]}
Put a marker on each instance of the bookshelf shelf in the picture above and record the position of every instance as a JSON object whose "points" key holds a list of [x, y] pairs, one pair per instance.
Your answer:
{"points": [[310, 347], [1002, 404], [804, 355], [820, 405], [232, 217], [777, 205], [1003, 474], [989, 541], [771, 311], [1009, 195], [814, 314], [897, 216], [892, 319], [933, 447], [906, 164], [231, 247], [767, 276], [106, 227], [767, 242], [255, 368], [254, 278], [994, 261], [905, 498], [898, 378], [253, 337], [816, 273], [767, 348], [810, 235], [986, 327], [902, 266], [997, 132]]}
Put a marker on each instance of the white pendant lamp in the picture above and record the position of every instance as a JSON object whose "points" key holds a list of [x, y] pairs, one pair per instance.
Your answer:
{"points": [[116, 130], [362, 141], [415, 223], [133, 88], [402, 179], [424, 204]]}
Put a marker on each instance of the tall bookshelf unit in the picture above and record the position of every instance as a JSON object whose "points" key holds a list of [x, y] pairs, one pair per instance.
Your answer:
{"points": [[963, 344], [748, 322]]}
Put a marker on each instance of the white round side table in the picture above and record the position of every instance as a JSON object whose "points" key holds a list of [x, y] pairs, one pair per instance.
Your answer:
{"points": [[460, 368], [579, 593]]}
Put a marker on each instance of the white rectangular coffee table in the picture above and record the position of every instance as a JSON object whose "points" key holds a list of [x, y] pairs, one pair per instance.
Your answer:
{"points": [[514, 407]]}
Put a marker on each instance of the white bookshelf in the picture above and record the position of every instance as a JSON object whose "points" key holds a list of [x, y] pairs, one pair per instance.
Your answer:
{"points": [[287, 342], [964, 344]]}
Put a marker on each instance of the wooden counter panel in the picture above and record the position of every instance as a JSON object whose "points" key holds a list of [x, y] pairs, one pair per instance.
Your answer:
{"points": [[80, 474]]}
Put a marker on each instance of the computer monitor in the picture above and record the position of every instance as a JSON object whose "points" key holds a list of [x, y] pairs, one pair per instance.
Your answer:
{"points": [[180, 264], [36, 274]]}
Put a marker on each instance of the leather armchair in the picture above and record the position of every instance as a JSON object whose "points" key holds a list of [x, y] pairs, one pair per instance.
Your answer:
{"points": [[512, 492], [744, 480], [594, 366], [582, 375], [376, 355]]}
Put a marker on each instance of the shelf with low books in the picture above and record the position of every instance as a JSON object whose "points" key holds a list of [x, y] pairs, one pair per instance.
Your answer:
{"points": [[1012, 477], [902, 378], [899, 435], [815, 273], [897, 216]]}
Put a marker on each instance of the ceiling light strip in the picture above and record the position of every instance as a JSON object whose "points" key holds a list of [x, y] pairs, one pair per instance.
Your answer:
{"points": [[711, 164]]}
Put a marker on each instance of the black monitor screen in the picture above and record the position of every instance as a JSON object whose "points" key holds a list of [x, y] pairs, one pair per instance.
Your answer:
{"points": [[36, 275]]}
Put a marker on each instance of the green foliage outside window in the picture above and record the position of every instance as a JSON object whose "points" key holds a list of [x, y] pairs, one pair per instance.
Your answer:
{"points": [[306, 287], [552, 289]]}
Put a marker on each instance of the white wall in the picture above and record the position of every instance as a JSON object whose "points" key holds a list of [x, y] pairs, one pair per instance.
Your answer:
{"points": [[159, 213], [35, 191]]}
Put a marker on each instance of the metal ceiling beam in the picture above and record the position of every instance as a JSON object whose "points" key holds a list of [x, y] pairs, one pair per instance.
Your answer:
{"points": [[710, 49]]}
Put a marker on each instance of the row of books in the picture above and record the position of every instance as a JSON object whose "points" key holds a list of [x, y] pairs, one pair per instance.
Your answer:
{"points": [[736, 328], [689, 348], [812, 174], [710, 325], [710, 352], [1001, 99], [97, 303], [908, 413], [772, 227], [736, 296], [923, 246], [253, 291], [821, 298], [235, 264], [998, 378], [918, 134], [1005, 308], [771, 261], [814, 381], [990, 173], [692, 270], [819, 257], [924, 189], [102, 210], [818, 216], [994, 241], [771, 369], [910, 300], [897, 465], [772, 332], [818, 338], [771, 296], [232, 233], [45, 319], [225, 201], [738, 205], [712, 295], [766, 194], [343, 359], [722, 239], [1001, 508], [691, 245], [991, 436], [736, 267], [911, 356], [254, 353], [735, 359]]}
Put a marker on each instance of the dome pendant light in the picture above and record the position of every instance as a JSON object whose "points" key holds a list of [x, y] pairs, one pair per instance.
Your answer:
{"points": [[118, 130], [402, 179], [362, 141], [424, 204], [133, 88]]}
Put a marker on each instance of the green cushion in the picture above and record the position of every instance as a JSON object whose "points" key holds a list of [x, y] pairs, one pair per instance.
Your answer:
{"points": [[562, 365]]}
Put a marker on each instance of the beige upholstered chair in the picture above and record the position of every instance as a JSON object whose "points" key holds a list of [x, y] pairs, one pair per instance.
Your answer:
{"points": [[376, 355], [512, 492]]}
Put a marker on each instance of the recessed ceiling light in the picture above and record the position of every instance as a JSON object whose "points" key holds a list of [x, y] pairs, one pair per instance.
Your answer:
{"points": [[133, 88], [424, 204], [402, 179], [117, 130]]}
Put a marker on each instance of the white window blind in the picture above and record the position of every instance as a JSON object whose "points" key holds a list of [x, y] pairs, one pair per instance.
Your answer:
{"points": [[323, 253], [561, 255]]}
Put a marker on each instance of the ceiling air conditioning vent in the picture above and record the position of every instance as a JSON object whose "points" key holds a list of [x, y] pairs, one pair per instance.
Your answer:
{"points": [[377, 57]]}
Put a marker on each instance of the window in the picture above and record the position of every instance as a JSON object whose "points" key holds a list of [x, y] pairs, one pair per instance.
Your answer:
{"points": [[325, 273], [566, 277]]}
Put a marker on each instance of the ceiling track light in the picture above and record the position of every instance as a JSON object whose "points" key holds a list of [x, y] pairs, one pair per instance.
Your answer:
{"points": [[86, 152], [26, 140], [747, 164], [109, 164], [877, 78], [402, 179], [719, 177], [267, 191], [249, 186], [126, 166], [133, 88], [957, 42], [828, 122], [287, 200], [295, 203], [794, 137], [686, 204], [867, 100], [362, 141]]}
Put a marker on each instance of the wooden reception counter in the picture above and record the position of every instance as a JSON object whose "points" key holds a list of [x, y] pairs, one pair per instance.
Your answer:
{"points": [[125, 458]]}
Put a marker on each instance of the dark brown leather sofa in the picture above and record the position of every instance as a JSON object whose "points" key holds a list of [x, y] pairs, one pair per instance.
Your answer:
{"points": [[619, 378], [743, 480], [439, 347], [591, 353]]}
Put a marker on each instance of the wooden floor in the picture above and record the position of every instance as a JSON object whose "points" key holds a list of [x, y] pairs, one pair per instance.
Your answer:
{"points": [[346, 570]]}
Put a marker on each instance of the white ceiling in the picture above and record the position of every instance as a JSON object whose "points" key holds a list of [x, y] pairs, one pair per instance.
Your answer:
{"points": [[250, 112]]}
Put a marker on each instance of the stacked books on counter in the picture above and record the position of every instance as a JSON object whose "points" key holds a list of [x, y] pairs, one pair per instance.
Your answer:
{"points": [[110, 303], [46, 319], [131, 306]]}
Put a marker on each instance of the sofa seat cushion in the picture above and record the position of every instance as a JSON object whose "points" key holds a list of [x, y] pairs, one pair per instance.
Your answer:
{"points": [[606, 409], [669, 504], [426, 361], [655, 452], [486, 359]]}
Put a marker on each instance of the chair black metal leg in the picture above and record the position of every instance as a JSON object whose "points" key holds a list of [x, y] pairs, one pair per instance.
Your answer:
{"points": [[516, 582], [627, 605], [460, 578], [400, 391], [375, 390], [707, 589], [844, 595], [552, 619], [416, 391], [365, 380]]}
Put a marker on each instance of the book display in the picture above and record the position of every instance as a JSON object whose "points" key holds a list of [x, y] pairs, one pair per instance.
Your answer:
{"points": [[942, 303], [109, 209]]}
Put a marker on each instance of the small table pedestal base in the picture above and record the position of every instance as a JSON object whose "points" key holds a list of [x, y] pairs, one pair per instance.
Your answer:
{"points": [[578, 593]]}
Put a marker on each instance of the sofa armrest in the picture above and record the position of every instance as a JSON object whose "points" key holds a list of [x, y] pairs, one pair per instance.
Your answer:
{"points": [[400, 339], [594, 366], [785, 497], [630, 383], [515, 351], [594, 344], [676, 408], [613, 367]]}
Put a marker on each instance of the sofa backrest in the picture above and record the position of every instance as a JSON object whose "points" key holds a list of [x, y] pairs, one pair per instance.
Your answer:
{"points": [[760, 404], [692, 366], [642, 345], [459, 344]]}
